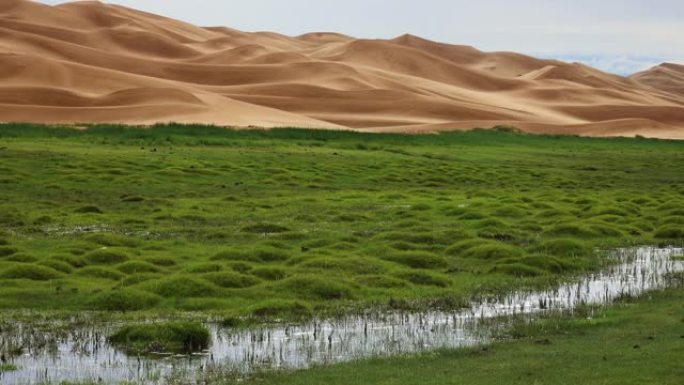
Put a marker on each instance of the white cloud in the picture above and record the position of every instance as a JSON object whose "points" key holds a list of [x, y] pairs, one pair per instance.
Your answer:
{"points": [[617, 64]]}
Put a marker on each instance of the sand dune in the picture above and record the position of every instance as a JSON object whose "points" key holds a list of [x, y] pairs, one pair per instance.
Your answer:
{"points": [[92, 62], [668, 77]]}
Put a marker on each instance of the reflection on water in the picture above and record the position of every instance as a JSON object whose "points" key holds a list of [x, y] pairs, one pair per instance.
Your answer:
{"points": [[59, 352]]}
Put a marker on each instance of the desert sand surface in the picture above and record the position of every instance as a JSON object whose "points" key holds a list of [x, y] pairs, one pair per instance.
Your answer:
{"points": [[667, 77], [87, 62]]}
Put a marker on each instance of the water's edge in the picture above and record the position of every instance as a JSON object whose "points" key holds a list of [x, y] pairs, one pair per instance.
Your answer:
{"points": [[81, 353]]}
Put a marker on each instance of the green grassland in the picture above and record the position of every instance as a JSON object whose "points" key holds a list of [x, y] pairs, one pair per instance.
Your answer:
{"points": [[287, 223], [636, 342]]}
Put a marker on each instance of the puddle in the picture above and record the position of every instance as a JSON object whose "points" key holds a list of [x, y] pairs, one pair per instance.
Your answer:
{"points": [[81, 353]]}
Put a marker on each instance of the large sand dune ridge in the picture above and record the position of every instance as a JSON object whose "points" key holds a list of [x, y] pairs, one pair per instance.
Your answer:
{"points": [[89, 62]]}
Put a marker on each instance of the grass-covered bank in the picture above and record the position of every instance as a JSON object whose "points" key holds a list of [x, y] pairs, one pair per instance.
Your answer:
{"points": [[286, 223], [636, 342]]}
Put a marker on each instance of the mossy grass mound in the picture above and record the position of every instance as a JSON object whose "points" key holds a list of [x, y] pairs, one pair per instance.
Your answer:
{"points": [[418, 260], [424, 278], [270, 273], [134, 279], [21, 258], [6, 251], [281, 309], [7, 367], [380, 281], [259, 254], [316, 287], [565, 247], [72, 260], [493, 251], [112, 240], [30, 272], [106, 257], [570, 230], [60, 266], [205, 267], [100, 272], [230, 279], [88, 210], [169, 337], [670, 232], [124, 300], [265, 228], [133, 267], [518, 269], [349, 265], [182, 287], [162, 261]]}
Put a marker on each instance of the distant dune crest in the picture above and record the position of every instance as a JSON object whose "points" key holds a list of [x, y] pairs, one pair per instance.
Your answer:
{"points": [[91, 62]]}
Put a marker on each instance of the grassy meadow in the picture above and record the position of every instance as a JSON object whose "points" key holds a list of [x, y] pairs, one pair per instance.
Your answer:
{"points": [[259, 225]]}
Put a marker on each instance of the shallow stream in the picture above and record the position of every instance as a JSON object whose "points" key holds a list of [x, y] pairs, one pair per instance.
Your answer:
{"points": [[81, 353]]}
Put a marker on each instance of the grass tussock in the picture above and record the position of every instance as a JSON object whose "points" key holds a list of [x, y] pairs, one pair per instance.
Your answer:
{"points": [[6, 251], [170, 337], [30, 272], [182, 287], [265, 228], [106, 257], [492, 251], [124, 300], [231, 280], [100, 272], [424, 278], [670, 232], [281, 309], [133, 267], [317, 288], [418, 260]]}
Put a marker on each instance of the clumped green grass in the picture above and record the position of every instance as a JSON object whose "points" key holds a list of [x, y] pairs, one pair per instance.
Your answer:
{"points": [[170, 337], [424, 278], [7, 251], [112, 240], [88, 210], [106, 257], [221, 220], [316, 287], [60, 266], [418, 259], [518, 269], [493, 252], [181, 287], [229, 279], [261, 254], [136, 278], [289, 309], [565, 247], [124, 300], [30, 272], [132, 267], [21, 258], [270, 273], [265, 228], [670, 232], [5, 367]]}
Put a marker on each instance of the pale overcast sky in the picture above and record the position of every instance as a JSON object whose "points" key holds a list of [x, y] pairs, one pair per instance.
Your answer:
{"points": [[621, 36]]}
